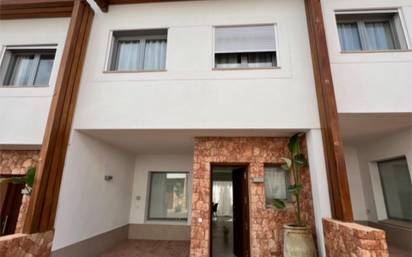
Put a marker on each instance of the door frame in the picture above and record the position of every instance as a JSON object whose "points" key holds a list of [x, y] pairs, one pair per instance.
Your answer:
{"points": [[11, 206], [245, 166]]}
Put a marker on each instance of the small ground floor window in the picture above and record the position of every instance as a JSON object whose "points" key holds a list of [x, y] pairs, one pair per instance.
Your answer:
{"points": [[168, 196]]}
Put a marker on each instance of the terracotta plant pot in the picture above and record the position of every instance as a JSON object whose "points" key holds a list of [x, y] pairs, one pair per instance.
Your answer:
{"points": [[298, 242]]}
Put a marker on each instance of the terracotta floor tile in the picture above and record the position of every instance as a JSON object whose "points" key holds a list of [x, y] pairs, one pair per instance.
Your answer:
{"points": [[150, 248]]}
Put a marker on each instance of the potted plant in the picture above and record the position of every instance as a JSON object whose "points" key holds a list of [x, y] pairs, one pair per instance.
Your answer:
{"points": [[298, 240], [27, 180]]}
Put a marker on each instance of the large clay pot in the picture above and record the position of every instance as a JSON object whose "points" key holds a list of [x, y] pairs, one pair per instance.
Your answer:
{"points": [[298, 242]]}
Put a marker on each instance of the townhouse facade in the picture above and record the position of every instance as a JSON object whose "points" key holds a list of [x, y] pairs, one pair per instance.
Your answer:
{"points": [[137, 115]]}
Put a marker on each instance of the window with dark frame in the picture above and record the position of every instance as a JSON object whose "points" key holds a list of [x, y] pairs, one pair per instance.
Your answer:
{"points": [[27, 67], [138, 50], [168, 196], [371, 31], [251, 46], [397, 188]]}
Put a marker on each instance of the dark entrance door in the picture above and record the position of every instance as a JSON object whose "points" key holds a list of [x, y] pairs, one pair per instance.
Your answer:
{"points": [[240, 213], [10, 208]]}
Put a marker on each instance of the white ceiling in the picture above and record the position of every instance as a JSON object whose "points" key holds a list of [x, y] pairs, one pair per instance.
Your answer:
{"points": [[365, 127], [170, 141], [355, 129]]}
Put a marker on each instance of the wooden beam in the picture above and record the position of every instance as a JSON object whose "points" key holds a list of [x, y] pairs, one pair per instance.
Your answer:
{"points": [[332, 142], [43, 203], [22, 9], [103, 4], [140, 1]]}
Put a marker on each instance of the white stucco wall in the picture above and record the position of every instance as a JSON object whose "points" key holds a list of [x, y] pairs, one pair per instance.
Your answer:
{"points": [[391, 146], [319, 184], [88, 204], [24, 111], [190, 94], [145, 164], [355, 183], [370, 82]]}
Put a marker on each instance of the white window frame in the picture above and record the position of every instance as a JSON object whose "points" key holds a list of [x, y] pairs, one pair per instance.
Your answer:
{"points": [[244, 62], [399, 33], [37, 51], [112, 59]]}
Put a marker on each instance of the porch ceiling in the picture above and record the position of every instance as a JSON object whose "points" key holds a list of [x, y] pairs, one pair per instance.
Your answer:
{"points": [[357, 128], [170, 141]]}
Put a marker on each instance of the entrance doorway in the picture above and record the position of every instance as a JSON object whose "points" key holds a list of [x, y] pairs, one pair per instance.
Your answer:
{"points": [[230, 212], [10, 203]]}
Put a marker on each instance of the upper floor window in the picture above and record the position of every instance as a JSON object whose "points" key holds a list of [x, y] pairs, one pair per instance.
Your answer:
{"points": [[138, 50], [245, 47], [26, 67], [373, 31]]}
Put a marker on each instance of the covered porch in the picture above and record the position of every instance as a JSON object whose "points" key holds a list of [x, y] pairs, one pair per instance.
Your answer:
{"points": [[139, 192], [378, 155]]}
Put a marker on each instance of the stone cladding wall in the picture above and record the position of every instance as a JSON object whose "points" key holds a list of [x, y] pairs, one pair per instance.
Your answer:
{"points": [[22, 245], [266, 233], [344, 239]]}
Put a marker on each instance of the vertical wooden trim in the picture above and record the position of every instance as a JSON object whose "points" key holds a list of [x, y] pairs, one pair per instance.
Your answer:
{"points": [[332, 142], [43, 203]]}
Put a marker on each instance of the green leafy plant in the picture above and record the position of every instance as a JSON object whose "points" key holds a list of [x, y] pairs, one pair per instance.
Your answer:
{"points": [[27, 180], [294, 164]]}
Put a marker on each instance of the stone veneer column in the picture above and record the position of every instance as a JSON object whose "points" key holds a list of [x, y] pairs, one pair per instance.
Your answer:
{"points": [[265, 223], [17, 162], [22, 245], [344, 239]]}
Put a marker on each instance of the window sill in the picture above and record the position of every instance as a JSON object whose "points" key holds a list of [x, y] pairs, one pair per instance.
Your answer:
{"points": [[133, 71], [289, 205], [377, 51], [245, 69], [40, 86], [397, 223], [166, 222]]}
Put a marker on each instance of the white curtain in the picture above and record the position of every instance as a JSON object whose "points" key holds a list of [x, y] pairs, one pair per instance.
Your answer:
{"points": [[258, 60], [155, 55], [275, 184], [227, 61], [349, 36], [22, 70], [223, 196], [128, 55], [379, 36], [44, 70]]}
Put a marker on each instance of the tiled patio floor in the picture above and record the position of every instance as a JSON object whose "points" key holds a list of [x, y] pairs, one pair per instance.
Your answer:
{"points": [[149, 248], [397, 252]]}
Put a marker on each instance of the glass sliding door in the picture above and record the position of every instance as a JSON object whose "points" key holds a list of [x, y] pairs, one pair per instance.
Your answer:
{"points": [[397, 188]]}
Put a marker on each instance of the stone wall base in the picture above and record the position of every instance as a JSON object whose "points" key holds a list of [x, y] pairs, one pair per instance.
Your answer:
{"points": [[344, 239], [23, 245]]}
